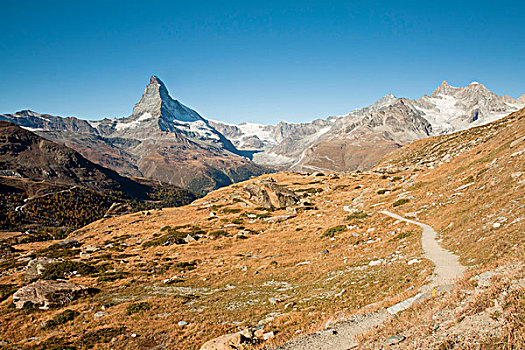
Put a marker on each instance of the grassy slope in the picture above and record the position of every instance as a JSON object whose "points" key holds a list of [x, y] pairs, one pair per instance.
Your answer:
{"points": [[232, 283]]}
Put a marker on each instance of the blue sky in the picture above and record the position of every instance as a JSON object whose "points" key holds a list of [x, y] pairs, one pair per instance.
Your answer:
{"points": [[260, 61]]}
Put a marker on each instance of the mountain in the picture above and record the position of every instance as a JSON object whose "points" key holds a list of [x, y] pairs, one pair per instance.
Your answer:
{"points": [[162, 140], [359, 139], [46, 185]]}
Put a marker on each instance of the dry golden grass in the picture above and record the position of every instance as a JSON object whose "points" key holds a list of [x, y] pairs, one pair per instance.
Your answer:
{"points": [[287, 276]]}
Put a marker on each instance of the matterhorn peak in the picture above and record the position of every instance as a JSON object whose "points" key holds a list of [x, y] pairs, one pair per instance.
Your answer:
{"points": [[157, 102], [155, 80]]}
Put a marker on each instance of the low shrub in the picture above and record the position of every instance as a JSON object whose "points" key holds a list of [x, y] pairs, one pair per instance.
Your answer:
{"points": [[357, 216], [219, 233], [65, 268], [137, 307], [332, 231], [400, 202], [61, 318]]}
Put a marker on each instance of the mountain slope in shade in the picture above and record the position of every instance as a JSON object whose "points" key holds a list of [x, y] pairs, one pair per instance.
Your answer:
{"points": [[47, 186], [162, 140], [359, 139]]}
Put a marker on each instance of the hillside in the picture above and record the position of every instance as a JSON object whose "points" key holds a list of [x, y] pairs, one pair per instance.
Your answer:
{"points": [[48, 188], [287, 254]]}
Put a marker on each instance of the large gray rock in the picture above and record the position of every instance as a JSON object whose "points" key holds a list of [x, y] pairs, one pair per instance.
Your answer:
{"points": [[267, 193], [36, 267], [48, 294]]}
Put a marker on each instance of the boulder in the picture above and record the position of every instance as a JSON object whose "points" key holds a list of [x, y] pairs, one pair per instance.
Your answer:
{"points": [[48, 294], [268, 194], [225, 342], [36, 267]]}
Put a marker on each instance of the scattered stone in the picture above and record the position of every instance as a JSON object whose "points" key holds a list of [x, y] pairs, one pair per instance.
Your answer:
{"points": [[413, 261], [189, 239], [259, 333], [395, 339], [182, 323], [374, 263], [90, 249], [268, 335], [278, 218], [247, 333], [99, 314]]}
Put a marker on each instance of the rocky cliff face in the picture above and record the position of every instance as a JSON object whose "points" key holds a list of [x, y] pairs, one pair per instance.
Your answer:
{"points": [[359, 139], [162, 140]]}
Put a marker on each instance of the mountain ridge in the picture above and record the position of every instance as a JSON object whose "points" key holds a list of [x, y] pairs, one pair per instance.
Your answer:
{"points": [[162, 140]]}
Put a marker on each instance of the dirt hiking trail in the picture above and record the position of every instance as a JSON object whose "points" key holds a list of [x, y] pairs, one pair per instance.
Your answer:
{"points": [[342, 336]]}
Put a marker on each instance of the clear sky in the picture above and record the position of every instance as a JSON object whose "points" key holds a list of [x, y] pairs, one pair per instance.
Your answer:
{"points": [[260, 61]]}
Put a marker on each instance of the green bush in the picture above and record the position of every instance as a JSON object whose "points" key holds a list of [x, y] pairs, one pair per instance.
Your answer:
{"points": [[63, 268], [100, 336], [332, 231], [231, 210], [402, 235], [400, 202], [185, 265], [6, 290], [219, 233], [61, 318], [172, 237], [112, 276], [62, 250], [357, 216], [137, 307]]}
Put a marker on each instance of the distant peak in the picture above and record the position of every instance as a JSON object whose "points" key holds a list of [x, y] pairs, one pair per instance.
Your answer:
{"points": [[444, 88], [155, 80], [157, 102]]}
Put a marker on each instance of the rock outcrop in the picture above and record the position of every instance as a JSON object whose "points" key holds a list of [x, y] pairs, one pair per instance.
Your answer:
{"points": [[49, 294], [268, 194], [225, 342], [36, 267]]}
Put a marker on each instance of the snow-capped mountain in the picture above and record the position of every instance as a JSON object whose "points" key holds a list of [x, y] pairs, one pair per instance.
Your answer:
{"points": [[361, 138], [166, 140], [162, 139]]}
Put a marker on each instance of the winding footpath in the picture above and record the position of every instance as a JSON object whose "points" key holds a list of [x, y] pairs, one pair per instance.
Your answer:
{"points": [[448, 268], [342, 336]]}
